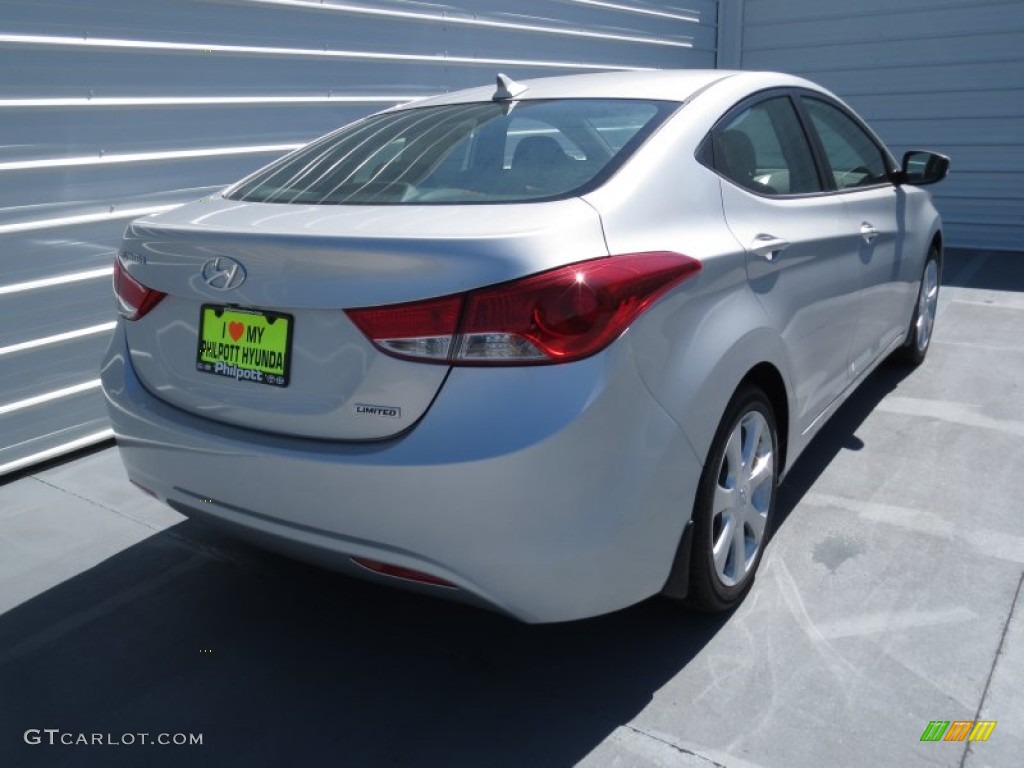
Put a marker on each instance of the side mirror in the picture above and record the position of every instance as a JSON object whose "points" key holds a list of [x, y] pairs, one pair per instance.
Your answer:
{"points": [[921, 167]]}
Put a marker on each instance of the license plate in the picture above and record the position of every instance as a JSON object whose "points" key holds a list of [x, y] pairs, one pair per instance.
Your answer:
{"points": [[245, 344]]}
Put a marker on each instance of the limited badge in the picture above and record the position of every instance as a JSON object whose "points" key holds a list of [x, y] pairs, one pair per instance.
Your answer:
{"points": [[388, 411]]}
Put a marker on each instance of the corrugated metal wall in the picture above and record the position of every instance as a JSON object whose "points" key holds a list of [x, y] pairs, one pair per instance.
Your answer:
{"points": [[112, 108], [940, 74]]}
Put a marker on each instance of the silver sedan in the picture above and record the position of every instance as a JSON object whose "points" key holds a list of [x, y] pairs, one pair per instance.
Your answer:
{"points": [[548, 347]]}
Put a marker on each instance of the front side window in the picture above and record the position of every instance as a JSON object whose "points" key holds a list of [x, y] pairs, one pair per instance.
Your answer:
{"points": [[855, 159], [764, 149], [458, 153]]}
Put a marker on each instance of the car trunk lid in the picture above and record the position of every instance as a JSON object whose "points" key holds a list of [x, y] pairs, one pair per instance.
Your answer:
{"points": [[268, 283]]}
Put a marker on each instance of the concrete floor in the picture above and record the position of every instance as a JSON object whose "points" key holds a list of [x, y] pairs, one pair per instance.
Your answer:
{"points": [[890, 597]]}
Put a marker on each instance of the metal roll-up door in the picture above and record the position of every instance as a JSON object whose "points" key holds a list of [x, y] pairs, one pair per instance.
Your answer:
{"points": [[938, 74]]}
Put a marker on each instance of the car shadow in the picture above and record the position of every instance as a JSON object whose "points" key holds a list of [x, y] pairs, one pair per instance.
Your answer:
{"points": [[838, 434], [278, 663]]}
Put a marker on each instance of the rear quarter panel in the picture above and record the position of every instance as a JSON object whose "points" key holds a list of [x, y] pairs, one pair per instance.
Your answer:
{"points": [[695, 345]]}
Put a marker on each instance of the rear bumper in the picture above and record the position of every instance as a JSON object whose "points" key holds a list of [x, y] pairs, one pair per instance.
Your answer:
{"points": [[549, 493]]}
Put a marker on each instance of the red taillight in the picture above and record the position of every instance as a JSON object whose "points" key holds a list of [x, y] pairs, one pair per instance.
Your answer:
{"points": [[133, 298], [399, 572], [561, 315], [421, 329]]}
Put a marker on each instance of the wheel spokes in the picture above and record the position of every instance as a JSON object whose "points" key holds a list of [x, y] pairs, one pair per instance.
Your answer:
{"points": [[753, 429], [742, 498], [756, 522], [723, 502], [733, 464], [723, 546], [764, 469]]}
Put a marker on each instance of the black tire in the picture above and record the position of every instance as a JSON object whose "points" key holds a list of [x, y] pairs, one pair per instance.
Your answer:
{"points": [[719, 587], [919, 335]]}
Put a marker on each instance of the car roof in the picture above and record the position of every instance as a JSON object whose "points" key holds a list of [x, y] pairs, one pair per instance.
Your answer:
{"points": [[665, 84]]}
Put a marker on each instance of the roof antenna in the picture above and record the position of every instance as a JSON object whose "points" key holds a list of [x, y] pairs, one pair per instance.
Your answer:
{"points": [[507, 88]]}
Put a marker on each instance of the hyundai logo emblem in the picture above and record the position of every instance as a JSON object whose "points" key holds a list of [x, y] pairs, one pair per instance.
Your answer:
{"points": [[223, 273]]}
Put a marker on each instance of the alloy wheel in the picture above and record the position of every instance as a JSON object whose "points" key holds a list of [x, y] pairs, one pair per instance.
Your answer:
{"points": [[927, 304], [742, 498]]}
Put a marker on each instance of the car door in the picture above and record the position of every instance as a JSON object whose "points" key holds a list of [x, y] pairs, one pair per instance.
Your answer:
{"points": [[799, 260], [858, 168]]}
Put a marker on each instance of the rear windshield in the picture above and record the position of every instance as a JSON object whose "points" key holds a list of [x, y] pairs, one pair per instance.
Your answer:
{"points": [[462, 153]]}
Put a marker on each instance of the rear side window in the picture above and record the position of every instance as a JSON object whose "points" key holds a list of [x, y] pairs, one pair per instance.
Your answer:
{"points": [[763, 148], [462, 153], [855, 159]]}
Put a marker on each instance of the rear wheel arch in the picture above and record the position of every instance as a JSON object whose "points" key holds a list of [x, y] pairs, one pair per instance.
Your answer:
{"points": [[765, 378]]}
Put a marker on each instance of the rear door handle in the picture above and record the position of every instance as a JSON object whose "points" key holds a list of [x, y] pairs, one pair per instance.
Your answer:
{"points": [[768, 246], [868, 232]]}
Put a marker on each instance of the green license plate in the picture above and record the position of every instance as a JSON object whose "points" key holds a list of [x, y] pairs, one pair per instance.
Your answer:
{"points": [[245, 344]]}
